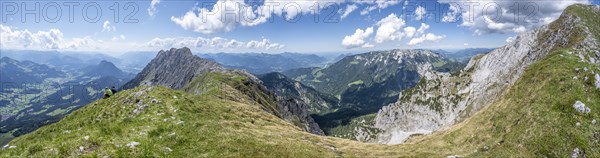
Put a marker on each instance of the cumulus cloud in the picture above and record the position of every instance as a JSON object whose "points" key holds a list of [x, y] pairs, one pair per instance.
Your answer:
{"points": [[263, 44], [226, 15], [452, 14], [358, 39], [375, 4], [349, 9], [210, 21], [389, 29], [425, 37], [423, 28], [420, 13], [107, 27], [499, 16], [510, 39], [216, 43], [410, 31], [12, 38], [152, 9]]}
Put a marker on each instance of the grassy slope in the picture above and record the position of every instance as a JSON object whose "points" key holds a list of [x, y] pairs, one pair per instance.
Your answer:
{"points": [[535, 118], [208, 126]]}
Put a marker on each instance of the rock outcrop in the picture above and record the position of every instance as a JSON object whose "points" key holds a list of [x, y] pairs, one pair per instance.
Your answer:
{"points": [[597, 77]]}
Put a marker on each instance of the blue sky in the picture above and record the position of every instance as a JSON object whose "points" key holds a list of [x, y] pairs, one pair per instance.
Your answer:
{"points": [[279, 26]]}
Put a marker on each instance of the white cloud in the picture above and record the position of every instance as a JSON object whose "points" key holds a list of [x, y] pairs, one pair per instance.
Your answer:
{"points": [[389, 29], [410, 31], [263, 44], [226, 15], [349, 9], [358, 39], [216, 43], [12, 38], [510, 39], [420, 13], [375, 4], [152, 9], [466, 44], [78, 43], [426, 37], [120, 37], [209, 21], [423, 28], [483, 17], [367, 10], [392, 28], [107, 27], [452, 14]]}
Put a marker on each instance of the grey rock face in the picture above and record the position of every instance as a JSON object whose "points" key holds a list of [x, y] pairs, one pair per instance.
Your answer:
{"points": [[290, 89], [292, 110], [174, 68], [445, 99]]}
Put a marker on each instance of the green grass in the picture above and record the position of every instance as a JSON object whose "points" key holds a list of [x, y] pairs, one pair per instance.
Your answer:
{"points": [[438, 63], [5, 138], [546, 125], [357, 82], [589, 20], [58, 112], [347, 131]]}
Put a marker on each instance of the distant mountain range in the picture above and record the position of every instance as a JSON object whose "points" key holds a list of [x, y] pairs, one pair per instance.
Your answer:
{"points": [[13, 71], [132, 62], [464, 55], [35, 94], [259, 63]]}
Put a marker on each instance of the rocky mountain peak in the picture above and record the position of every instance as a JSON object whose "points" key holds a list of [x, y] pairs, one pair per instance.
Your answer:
{"points": [[398, 56], [174, 69], [175, 53]]}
